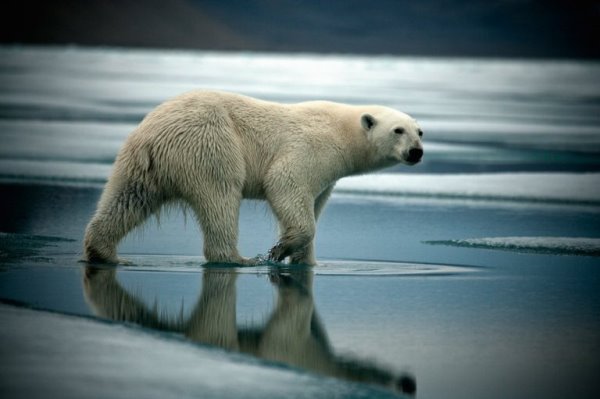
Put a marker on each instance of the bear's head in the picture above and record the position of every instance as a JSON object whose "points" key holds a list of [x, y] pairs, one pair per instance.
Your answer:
{"points": [[395, 136]]}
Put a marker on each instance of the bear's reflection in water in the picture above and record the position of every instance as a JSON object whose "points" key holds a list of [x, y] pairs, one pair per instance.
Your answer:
{"points": [[293, 333]]}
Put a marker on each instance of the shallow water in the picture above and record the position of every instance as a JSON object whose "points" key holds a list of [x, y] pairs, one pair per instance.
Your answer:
{"points": [[396, 294]]}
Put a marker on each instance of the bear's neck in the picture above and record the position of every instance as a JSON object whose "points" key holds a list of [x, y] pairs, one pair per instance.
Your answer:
{"points": [[360, 156]]}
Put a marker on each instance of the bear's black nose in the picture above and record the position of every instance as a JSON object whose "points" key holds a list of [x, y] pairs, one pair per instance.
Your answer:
{"points": [[406, 384], [415, 155]]}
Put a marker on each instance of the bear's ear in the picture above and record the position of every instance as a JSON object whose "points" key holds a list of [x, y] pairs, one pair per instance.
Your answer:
{"points": [[367, 121]]}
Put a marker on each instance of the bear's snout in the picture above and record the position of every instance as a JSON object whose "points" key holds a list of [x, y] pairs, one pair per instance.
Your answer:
{"points": [[415, 155]]}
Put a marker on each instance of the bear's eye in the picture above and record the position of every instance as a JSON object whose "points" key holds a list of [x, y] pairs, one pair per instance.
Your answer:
{"points": [[398, 130], [420, 133]]}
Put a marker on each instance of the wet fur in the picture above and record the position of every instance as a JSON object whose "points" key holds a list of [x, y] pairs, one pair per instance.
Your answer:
{"points": [[213, 149]]}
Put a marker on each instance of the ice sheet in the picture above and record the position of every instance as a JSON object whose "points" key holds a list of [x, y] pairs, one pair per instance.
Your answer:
{"points": [[550, 245], [73, 357], [550, 187]]}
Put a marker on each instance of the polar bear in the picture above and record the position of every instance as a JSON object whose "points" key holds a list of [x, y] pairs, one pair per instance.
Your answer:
{"points": [[211, 149]]}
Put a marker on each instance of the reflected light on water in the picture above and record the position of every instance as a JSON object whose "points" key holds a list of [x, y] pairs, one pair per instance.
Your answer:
{"points": [[293, 333]]}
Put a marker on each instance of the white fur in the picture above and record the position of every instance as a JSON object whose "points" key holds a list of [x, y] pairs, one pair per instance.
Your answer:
{"points": [[212, 149]]}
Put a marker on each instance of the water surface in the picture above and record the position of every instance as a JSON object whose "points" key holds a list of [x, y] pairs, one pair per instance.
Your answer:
{"points": [[426, 274]]}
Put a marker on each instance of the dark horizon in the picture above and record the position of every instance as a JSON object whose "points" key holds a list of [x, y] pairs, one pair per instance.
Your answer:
{"points": [[474, 28]]}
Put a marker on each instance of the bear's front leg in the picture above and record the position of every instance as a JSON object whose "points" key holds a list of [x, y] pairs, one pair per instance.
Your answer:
{"points": [[307, 256], [293, 244], [294, 208]]}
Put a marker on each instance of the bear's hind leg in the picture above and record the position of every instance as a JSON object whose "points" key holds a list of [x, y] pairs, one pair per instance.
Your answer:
{"points": [[122, 207]]}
